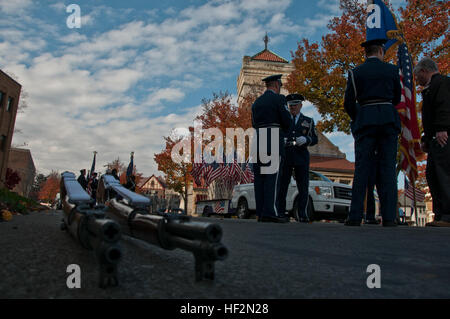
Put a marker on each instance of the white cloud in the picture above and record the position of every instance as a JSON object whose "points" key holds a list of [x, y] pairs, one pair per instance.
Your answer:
{"points": [[14, 7], [59, 6], [82, 93], [166, 94]]}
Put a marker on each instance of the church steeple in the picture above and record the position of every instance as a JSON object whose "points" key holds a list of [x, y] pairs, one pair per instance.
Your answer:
{"points": [[266, 41]]}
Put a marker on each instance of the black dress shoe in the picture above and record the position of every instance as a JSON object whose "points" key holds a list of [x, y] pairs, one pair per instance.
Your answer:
{"points": [[372, 222], [389, 223], [272, 219], [349, 222]]}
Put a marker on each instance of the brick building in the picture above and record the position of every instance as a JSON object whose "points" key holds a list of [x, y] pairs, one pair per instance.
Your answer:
{"points": [[259, 66], [21, 161], [9, 101]]}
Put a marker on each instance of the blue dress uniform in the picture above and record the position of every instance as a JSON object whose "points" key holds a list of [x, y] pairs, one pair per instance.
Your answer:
{"points": [[297, 160], [373, 89], [269, 112]]}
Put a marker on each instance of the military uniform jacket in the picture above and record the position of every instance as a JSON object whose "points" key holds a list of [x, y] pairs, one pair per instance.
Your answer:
{"points": [[436, 107], [269, 110], [296, 155], [378, 90], [82, 181]]}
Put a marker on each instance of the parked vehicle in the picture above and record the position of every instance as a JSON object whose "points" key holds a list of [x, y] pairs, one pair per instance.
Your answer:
{"points": [[207, 208], [327, 200]]}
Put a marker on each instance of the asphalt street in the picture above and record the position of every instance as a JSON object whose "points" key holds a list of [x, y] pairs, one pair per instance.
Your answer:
{"points": [[266, 260]]}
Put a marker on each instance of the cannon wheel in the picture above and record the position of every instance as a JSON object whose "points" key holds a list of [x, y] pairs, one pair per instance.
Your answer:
{"points": [[207, 211], [242, 209]]}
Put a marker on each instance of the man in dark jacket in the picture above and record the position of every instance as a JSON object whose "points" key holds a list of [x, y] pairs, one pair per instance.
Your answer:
{"points": [[300, 136], [436, 128], [373, 90], [269, 114], [82, 179]]}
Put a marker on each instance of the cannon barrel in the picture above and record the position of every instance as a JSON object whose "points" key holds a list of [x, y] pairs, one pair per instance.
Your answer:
{"points": [[88, 225], [181, 226]]}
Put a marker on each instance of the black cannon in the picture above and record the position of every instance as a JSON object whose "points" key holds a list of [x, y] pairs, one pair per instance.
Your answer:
{"points": [[168, 231], [88, 224]]}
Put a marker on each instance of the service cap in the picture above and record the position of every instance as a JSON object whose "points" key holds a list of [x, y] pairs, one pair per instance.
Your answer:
{"points": [[294, 98], [272, 78], [379, 42]]}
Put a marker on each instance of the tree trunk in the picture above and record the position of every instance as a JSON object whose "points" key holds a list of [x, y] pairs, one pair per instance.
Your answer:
{"points": [[185, 193]]}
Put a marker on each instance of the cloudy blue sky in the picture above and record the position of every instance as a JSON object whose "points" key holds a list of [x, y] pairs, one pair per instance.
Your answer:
{"points": [[137, 69]]}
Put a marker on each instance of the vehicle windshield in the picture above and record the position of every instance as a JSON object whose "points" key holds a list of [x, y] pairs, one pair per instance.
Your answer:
{"points": [[314, 176]]}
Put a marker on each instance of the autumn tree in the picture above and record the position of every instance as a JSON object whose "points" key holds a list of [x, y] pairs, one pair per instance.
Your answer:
{"points": [[220, 112], [321, 70], [39, 181], [421, 182], [50, 188], [177, 175], [12, 178]]}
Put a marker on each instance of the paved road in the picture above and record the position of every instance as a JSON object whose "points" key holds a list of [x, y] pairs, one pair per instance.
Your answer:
{"points": [[293, 260]]}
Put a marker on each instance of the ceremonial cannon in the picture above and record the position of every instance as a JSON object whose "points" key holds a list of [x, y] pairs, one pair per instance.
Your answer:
{"points": [[87, 223], [168, 231]]}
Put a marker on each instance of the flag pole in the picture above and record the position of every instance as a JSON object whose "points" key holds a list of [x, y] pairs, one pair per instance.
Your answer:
{"points": [[415, 204], [404, 196]]}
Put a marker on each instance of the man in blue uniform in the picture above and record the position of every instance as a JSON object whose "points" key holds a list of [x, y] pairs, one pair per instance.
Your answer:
{"points": [[373, 89], [300, 136], [269, 114]]}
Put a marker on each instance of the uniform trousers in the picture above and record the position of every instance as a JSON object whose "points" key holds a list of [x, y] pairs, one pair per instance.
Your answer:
{"points": [[375, 151], [267, 187], [438, 179]]}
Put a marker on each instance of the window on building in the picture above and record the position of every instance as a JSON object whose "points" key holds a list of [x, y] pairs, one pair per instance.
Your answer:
{"points": [[1, 98], [3, 142], [10, 104], [152, 184]]}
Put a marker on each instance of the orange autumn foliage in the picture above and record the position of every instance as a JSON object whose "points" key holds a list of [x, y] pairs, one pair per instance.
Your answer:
{"points": [[50, 188], [321, 70]]}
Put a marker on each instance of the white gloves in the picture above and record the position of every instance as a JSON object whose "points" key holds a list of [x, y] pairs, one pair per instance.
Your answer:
{"points": [[300, 140]]}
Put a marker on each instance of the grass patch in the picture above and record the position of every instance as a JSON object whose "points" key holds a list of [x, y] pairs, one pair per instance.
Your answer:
{"points": [[15, 203]]}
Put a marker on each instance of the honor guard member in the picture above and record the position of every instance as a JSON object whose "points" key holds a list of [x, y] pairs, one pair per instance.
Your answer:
{"points": [[302, 134], [373, 90], [269, 114]]}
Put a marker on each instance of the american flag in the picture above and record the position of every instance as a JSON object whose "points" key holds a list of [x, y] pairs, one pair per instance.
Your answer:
{"points": [[236, 171], [219, 207], [410, 189], [410, 136], [218, 170], [197, 170], [130, 165], [249, 173], [205, 172], [90, 179], [244, 179]]}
